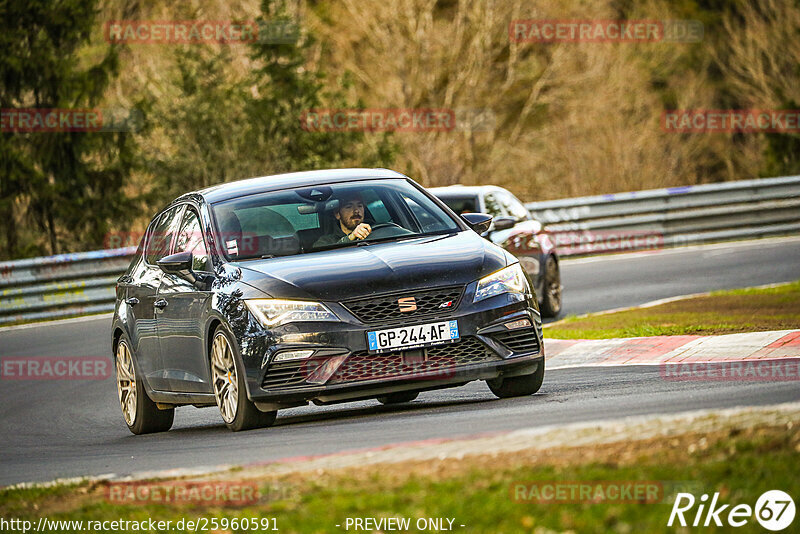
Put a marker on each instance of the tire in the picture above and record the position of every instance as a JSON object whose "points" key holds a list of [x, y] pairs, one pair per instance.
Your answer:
{"points": [[399, 397], [230, 390], [518, 386], [551, 289], [140, 413]]}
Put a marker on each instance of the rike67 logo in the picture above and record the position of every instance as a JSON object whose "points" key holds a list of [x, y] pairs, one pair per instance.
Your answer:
{"points": [[774, 510]]}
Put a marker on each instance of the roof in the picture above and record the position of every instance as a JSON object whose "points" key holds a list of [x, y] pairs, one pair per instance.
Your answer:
{"points": [[462, 190], [276, 182]]}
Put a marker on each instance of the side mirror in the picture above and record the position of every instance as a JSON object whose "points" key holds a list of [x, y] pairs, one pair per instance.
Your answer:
{"points": [[175, 263], [480, 222], [179, 264], [504, 223]]}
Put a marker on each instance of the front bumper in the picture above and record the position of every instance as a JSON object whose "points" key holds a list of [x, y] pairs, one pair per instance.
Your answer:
{"points": [[342, 369]]}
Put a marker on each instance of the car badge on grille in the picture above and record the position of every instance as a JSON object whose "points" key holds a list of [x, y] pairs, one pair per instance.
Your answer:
{"points": [[446, 304], [407, 304]]}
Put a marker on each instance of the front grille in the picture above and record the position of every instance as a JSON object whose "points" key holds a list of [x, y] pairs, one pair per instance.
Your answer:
{"points": [[442, 358], [522, 340], [385, 308], [286, 375]]}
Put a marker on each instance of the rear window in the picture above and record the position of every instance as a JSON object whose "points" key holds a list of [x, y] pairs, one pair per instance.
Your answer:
{"points": [[306, 220]]}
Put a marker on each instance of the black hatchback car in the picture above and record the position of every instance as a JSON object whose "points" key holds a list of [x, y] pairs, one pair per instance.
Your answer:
{"points": [[324, 287]]}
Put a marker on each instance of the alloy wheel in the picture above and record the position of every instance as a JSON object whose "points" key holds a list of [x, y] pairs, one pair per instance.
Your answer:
{"points": [[126, 382], [223, 370]]}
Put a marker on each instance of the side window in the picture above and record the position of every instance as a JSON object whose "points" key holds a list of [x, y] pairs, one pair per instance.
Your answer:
{"points": [[513, 206], [462, 205], [264, 221], [375, 207], [160, 236], [190, 239], [493, 206], [426, 221], [298, 219]]}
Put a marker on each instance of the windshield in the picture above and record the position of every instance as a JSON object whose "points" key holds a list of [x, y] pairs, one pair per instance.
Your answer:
{"points": [[309, 219]]}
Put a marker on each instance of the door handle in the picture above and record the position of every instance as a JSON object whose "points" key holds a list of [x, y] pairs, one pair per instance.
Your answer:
{"points": [[160, 304], [131, 301]]}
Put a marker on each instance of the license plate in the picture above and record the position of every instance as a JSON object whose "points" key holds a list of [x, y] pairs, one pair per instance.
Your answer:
{"points": [[410, 337]]}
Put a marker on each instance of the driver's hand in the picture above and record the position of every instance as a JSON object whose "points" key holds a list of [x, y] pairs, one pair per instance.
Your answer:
{"points": [[361, 232]]}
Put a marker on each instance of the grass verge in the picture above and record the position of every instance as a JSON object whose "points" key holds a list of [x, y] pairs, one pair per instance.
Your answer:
{"points": [[478, 491], [721, 312]]}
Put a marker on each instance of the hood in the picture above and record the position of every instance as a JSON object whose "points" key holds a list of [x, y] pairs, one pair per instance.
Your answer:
{"points": [[355, 271]]}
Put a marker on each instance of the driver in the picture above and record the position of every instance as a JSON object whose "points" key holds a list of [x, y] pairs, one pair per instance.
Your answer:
{"points": [[350, 219]]}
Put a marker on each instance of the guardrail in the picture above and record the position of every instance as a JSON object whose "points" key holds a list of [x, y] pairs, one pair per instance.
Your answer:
{"points": [[83, 283], [61, 286], [673, 216]]}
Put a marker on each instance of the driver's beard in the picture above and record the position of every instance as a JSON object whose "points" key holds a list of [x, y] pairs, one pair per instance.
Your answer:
{"points": [[350, 224]]}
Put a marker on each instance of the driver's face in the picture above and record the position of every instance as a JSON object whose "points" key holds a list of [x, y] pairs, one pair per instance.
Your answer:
{"points": [[351, 213]]}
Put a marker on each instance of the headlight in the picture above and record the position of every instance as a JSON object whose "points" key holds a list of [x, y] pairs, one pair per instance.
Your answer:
{"points": [[509, 280], [275, 312]]}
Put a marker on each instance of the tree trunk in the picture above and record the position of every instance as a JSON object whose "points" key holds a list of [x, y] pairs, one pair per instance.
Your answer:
{"points": [[7, 215], [51, 231]]}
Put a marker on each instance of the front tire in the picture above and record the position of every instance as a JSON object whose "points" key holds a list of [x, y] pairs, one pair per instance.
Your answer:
{"points": [[230, 390], [551, 289], [141, 414], [518, 386]]}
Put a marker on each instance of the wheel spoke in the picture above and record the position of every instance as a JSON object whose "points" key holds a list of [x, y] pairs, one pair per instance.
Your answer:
{"points": [[126, 382], [223, 371], [231, 402], [218, 354], [129, 369]]}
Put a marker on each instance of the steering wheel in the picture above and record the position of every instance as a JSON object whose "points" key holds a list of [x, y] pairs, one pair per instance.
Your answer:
{"points": [[385, 225], [387, 229]]}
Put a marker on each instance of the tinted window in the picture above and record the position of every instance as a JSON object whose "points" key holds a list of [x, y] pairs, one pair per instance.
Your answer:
{"points": [[305, 220], [299, 221], [375, 207], [190, 239], [424, 217], [159, 238], [462, 204]]}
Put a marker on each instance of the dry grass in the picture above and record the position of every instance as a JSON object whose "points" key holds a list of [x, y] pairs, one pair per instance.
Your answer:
{"points": [[477, 489], [572, 118]]}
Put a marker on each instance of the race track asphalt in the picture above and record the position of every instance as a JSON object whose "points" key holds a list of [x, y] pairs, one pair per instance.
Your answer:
{"points": [[51, 429]]}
